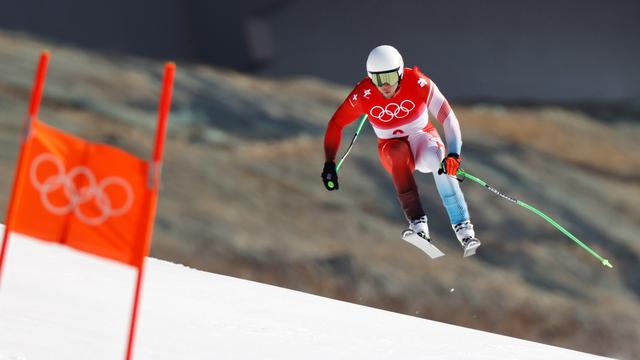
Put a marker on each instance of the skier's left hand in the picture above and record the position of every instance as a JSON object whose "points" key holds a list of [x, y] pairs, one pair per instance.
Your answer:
{"points": [[330, 176], [450, 164]]}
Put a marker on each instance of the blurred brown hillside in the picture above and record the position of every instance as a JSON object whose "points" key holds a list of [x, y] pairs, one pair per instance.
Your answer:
{"points": [[242, 196]]}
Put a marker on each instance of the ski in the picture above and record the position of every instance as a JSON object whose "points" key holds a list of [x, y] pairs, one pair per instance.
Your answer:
{"points": [[422, 244], [470, 247]]}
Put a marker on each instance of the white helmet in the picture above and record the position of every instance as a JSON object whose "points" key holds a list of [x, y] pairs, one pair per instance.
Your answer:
{"points": [[384, 58]]}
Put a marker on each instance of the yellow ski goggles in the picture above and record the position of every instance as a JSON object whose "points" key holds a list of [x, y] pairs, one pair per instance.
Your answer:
{"points": [[388, 77]]}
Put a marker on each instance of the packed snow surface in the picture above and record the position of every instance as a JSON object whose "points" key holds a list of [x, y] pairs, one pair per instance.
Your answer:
{"points": [[57, 303]]}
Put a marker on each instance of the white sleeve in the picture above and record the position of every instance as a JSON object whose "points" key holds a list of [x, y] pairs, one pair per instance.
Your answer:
{"points": [[440, 109]]}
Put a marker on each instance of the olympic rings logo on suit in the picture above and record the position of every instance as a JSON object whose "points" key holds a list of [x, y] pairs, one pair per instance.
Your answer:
{"points": [[392, 110], [94, 190]]}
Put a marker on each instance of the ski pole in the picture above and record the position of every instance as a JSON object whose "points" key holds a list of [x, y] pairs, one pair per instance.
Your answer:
{"points": [[363, 118], [466, 175]]}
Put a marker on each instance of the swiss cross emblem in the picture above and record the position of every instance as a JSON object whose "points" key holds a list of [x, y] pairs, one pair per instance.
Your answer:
{"points": [[422, 82], [355, 97], [367, 93]]}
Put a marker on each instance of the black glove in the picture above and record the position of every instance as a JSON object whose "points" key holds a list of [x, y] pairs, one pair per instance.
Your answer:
{"points": [[330, 176]]}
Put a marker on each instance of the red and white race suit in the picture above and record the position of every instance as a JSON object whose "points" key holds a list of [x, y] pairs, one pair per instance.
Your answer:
{"points": [[407, 140]]}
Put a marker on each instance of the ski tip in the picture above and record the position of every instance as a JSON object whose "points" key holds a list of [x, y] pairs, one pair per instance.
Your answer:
{"points": [[606, 263]]}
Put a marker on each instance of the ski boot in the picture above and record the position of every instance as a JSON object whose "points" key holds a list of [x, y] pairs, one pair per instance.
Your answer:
{"points": [[467, 237], [419, 227]]}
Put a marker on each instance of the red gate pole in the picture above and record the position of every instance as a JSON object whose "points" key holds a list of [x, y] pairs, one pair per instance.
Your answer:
{"points": [[34, 108], [156, 165]]}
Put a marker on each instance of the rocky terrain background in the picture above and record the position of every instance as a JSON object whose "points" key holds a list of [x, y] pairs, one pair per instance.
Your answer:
{"points": [[242, 195]]}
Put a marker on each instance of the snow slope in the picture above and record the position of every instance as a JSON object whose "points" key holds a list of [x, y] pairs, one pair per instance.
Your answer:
{"points": [[56, 303]]}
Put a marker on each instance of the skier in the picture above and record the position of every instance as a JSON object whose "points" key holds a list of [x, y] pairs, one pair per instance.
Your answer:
{"points": [[397, 101]]}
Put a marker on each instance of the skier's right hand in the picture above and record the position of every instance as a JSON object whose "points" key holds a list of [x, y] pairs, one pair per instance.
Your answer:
{"points": [[330, 176]]}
